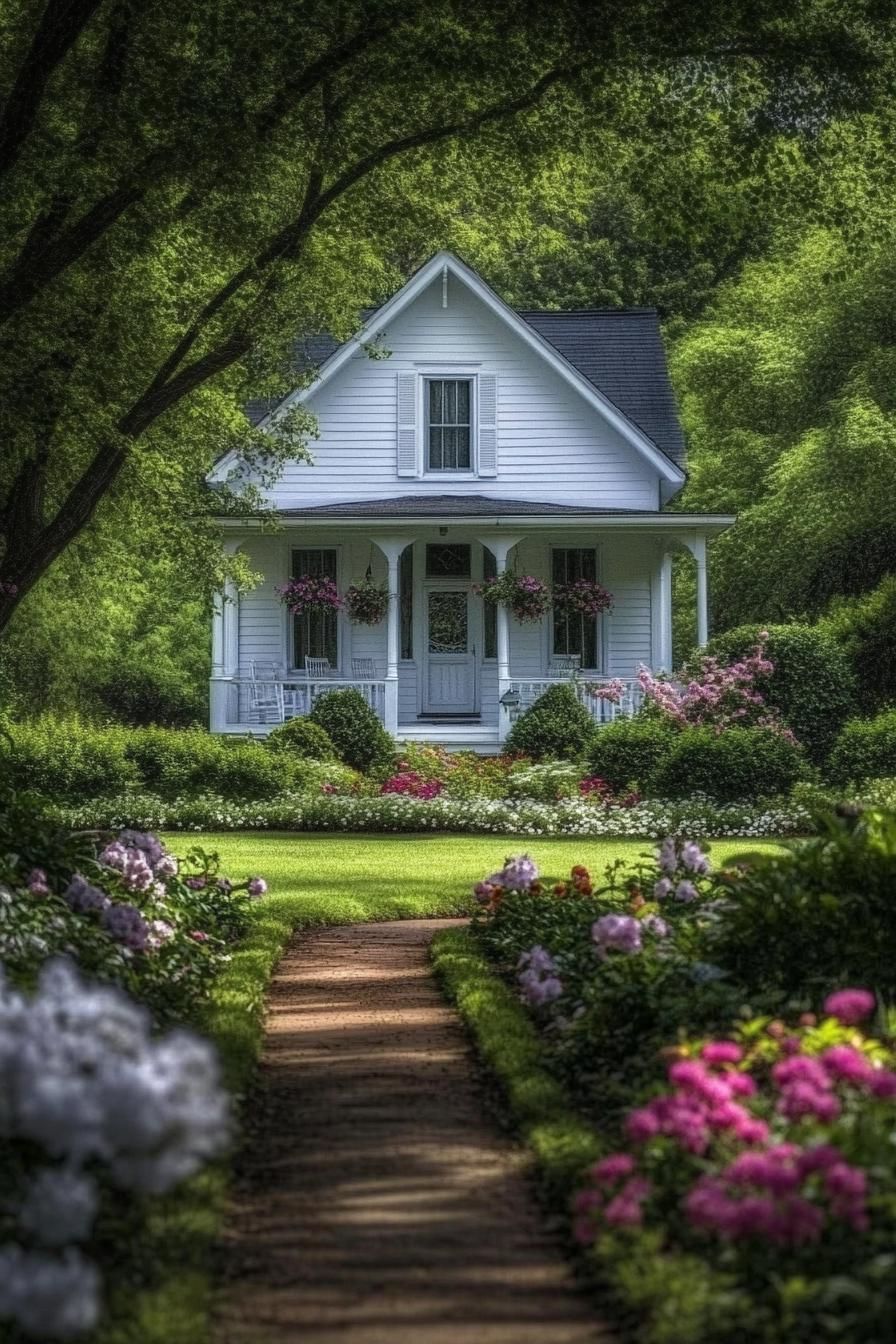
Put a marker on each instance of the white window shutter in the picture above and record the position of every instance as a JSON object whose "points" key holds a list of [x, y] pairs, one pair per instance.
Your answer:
{"points": [[488, 424], [407, 424]]}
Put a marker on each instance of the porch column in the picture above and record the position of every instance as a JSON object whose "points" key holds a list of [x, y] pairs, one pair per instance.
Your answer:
{"points": [[225, 649], [664, 648], [697, 547], [500, 547], [392, 548]]}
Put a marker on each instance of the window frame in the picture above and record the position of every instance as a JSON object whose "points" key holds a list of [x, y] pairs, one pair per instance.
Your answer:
{"points": [[449, 375], [598, 649], [291, 660]]}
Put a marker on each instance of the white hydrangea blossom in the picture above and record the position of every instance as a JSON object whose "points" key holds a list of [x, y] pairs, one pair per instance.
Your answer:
{"points": [[49, 1296], [82, 1077], [59, 1206]]}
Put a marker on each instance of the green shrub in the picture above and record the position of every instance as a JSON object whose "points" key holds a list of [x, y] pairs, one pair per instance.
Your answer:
{"points": [[556, 725], [173, 763], [66, 759], [865, 748], [812, 685], [360, 739], [738, 763], [304, 739], [629, 750], [865, 629]]}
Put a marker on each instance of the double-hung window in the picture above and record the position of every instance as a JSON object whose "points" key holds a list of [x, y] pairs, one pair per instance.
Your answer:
{"points": [[572, 632], [315, 633], [449, 425]]}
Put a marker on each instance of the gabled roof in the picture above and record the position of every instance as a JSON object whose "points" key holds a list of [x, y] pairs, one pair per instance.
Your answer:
{"points": [[629, 385]]}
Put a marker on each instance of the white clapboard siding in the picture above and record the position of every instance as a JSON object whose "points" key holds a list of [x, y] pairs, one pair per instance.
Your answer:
{"points": [[549, 445]]}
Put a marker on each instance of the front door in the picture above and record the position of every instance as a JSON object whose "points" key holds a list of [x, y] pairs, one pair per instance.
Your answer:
{"points": [[450, 683]]}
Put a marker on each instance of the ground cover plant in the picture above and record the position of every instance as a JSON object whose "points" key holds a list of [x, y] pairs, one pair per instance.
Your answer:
{"points": [[746, 1114]]}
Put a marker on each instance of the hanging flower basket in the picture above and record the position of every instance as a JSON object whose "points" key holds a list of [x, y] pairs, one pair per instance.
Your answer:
{"points": [[582, 597], [366, 602], [527, 597], [309, 592]]}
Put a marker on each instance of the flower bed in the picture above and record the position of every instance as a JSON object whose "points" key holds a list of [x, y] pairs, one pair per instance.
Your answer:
{"points": [[396, 812], [751, 1163]]}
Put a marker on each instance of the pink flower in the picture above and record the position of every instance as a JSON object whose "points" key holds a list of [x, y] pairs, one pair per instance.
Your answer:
{"points": [[199, 936], [613, 1167], [850, 1006], [721, 1052], [844, 1064], [641, 1125], [37, 882], [883, 1084]]}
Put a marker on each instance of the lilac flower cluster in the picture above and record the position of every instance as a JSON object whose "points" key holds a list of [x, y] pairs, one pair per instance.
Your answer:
{"points": [[537, 977], [721, 697], [84, 1082], [616, 933], [680, 863], [309, 592], [140, 859]]}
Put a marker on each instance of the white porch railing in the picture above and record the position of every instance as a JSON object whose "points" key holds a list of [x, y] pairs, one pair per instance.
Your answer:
{"points": [[519, 695], [246, 703]]}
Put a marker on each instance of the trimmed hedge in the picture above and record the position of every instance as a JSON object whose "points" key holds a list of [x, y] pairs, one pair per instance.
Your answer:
{"points": [[67, 759], [865, 749], [360, 739], [812, 686], [739, 763], [629, 751], [556, 725], [865, 628]]}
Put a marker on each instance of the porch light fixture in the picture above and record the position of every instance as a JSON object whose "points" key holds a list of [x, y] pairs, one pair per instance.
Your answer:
{"points": [[510, 699]]}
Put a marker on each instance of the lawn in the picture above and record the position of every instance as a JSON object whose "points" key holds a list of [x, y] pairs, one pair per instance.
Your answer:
{"points": [[339, 878]]}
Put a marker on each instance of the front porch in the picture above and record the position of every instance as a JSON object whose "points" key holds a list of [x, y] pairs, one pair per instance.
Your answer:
{"points": [[444, 666]]}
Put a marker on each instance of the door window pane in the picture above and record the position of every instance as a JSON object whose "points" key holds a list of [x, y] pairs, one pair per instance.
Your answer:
{"points": [[448, 561], [448, 426], [447, 622], [572, 632], [406, 600], [315, 633]]}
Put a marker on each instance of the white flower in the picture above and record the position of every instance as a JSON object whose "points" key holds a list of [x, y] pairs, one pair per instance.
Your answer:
{"points": [[49, 1296], [59, 1206]]}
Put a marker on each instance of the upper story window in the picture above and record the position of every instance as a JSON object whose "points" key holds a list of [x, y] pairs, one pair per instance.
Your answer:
{"points": [[449, 427]]}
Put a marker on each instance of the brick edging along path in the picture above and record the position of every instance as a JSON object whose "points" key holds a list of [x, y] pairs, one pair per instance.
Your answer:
{"points": [[377, 1202]]}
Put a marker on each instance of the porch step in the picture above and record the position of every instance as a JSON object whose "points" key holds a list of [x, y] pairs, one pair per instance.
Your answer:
{"points": [[455, 736]]}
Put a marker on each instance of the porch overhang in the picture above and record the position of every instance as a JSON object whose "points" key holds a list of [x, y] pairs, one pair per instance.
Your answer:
{"points": [[478, 511]]}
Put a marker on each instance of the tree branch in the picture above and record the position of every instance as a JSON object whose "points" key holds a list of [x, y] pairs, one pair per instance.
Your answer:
{"points": [[60, 26]]}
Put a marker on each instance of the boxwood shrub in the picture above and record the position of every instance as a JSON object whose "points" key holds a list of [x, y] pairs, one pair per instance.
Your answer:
{"points": [[303, 739], [738, 763], [865, 749], [555, 726], [812, 686], [360, 739], [66, 759], [630, 750]]}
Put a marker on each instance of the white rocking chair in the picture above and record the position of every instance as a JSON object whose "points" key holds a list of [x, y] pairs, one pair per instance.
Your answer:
{"points": [[272, 675], [363, 669], [564, 665], [317, 668]]}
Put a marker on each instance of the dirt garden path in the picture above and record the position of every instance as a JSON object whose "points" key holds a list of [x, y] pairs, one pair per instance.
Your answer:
{"points": [[377, 1202]]}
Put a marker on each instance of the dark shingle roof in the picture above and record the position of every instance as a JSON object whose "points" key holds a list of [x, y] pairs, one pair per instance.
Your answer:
{"points": [[445, 506], [619, 350]]}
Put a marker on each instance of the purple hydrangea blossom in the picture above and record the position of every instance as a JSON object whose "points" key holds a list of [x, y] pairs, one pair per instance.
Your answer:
{"points": [[83, 897], [257, 886], [518, 873], [537, 977], [37, 882], [693, 859], [127, 926], [686, 891], [618, 933], [655, 925]]}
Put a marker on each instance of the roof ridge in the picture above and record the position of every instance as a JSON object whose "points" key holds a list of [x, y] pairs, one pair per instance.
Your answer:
{"points": [[587, 312]]}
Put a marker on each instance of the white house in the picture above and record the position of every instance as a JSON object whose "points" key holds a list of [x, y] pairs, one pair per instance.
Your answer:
{"points": [[546, 442]]}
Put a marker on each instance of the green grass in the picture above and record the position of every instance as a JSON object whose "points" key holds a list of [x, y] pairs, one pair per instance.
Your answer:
{"points": [[337, 879]]}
